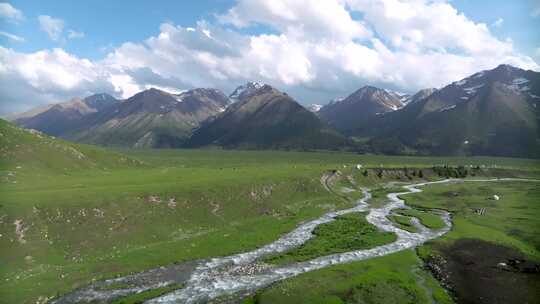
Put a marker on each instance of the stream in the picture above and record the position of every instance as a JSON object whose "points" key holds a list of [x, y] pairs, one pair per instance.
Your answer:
{"points": [[241, 274]]}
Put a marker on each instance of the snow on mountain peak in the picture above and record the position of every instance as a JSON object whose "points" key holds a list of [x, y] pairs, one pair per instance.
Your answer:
{"points": [[519, 81], [472, 90], [336, 100], [314, 107], [519, 85], [245, 89], [461, 82]]}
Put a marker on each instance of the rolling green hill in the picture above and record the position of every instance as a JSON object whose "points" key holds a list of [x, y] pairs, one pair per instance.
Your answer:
{"points": [[32, 152]]}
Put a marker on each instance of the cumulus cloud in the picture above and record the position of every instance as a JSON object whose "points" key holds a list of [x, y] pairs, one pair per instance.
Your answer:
{"points": [[315, 51], [10, 13], [52, 26], [428, 25], [12, 37], [302, 19], [46, 76]]}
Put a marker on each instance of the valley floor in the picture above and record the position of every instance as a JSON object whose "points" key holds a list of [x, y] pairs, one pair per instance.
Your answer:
{"points": [[62, 231], [488, 258]]}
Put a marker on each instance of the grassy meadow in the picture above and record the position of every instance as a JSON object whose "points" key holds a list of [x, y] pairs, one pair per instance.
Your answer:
{"points": [[67, 219], [512, 221]]}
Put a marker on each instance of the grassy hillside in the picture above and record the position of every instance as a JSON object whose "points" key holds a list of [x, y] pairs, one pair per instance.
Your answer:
{"points": [[30, 151]]}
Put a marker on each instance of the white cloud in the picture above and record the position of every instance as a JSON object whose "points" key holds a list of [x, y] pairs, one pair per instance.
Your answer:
{"points": [[12, 36], [298, 18], [10, 13], [75, 35], [499, 22], [45, 76], [428, 26], [315, 52], [52, 26]]}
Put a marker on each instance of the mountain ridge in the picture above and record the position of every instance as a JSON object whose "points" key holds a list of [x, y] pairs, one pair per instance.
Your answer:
{"points": [[347, 113], [267, 118], [491, 112]]}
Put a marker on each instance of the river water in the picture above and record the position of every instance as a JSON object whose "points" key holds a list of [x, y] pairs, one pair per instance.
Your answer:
{"points": [[242, 274], [226, 275]]}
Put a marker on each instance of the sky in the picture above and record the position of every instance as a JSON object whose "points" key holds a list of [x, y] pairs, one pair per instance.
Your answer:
{"points": [[51, 51]]}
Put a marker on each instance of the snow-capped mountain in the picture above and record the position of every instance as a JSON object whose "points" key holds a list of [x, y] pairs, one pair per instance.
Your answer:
{"points": [[422, 94], [267, 118], [403, 97], [492, 112], [245, 90], [347, 113], [314, 107]]}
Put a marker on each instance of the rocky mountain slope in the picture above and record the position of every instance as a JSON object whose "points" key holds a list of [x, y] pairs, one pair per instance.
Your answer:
{"points": [[267, 118], [152, 118], [492, 112], [58, 118], [353, 111], [245, 91]]}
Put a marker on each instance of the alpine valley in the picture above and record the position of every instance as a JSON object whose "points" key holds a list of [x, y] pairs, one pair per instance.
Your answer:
{"points": [[270, 152]]}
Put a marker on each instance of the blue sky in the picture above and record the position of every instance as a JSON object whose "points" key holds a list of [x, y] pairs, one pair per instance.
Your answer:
{"points": [[110, 23], [520, 18], [315, 50], [106, 23]]}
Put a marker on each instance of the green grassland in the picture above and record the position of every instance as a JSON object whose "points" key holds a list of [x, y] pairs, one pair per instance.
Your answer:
{"points": [[71, 214], [512, 221], [427, 219], [403, 222], [90, 225], [396, 278], [347, 233]]}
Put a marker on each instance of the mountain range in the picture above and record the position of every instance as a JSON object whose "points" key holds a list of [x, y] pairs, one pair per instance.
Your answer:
{"points": [[151, 118], [489, 113], [492, 112]]}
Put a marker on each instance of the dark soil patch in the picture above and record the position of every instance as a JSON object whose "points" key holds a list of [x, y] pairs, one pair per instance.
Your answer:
{"points": [[482, 272]]}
